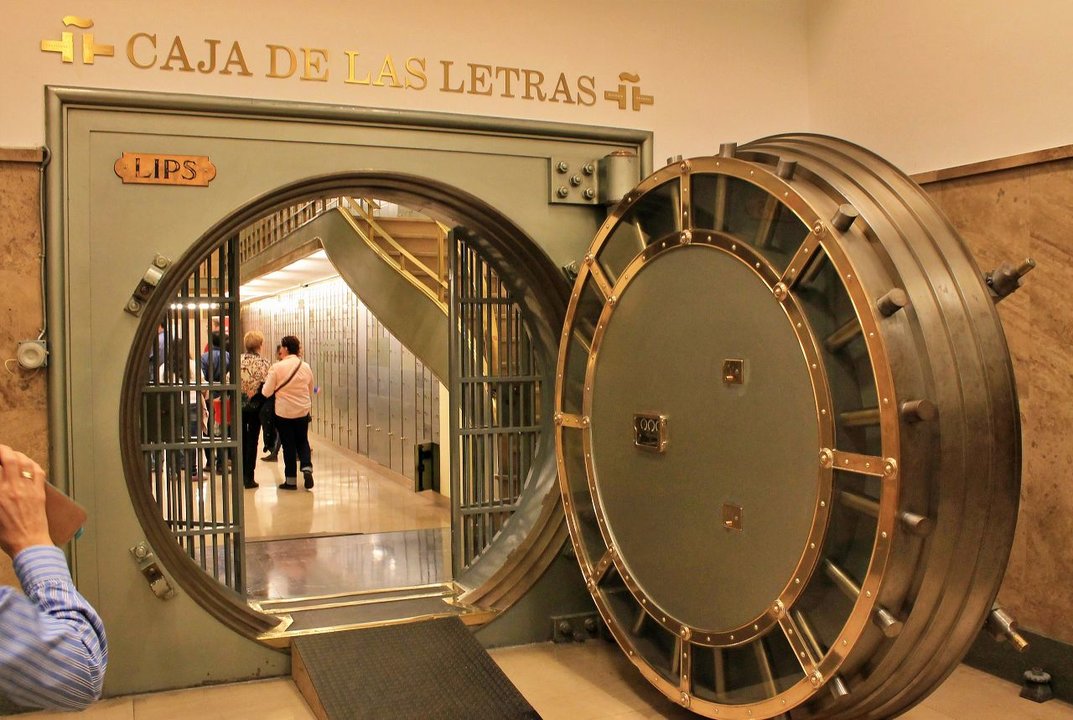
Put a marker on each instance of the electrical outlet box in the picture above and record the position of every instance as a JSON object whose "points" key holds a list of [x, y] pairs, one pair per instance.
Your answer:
{"points": [[32, 354]]}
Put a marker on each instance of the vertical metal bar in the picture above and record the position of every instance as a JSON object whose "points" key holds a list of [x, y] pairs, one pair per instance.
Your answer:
{"points": [[215, 281], [767, 678], [454, 361], [234, 541], [487, 448], [720, 672], [194, 319]]}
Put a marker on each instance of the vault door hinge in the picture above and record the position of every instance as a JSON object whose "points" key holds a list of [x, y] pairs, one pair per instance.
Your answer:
{"points": [[592, 181], [147, 285]]}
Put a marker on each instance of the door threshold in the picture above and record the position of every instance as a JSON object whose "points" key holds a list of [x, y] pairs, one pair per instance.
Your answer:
{"points": [[313, 615]]}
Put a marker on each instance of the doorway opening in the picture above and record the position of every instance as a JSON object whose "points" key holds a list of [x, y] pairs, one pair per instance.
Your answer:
{"points": [[432, 449]]}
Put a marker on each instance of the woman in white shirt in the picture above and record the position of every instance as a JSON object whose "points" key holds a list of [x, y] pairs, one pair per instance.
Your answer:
{"points": [[291, 382]]}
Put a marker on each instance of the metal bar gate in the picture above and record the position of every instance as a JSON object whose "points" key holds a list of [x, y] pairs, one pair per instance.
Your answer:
{"points": [[494, 402], [190, 418]]}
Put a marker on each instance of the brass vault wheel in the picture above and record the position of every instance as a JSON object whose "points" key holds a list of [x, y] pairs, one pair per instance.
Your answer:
{"points": [[787, 433]]}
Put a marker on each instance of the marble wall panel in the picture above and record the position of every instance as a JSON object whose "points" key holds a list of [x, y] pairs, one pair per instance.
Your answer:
{"points": [[23, 401], [1006, 216]]}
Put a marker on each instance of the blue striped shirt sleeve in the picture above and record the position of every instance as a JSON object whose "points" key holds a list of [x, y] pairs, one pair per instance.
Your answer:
{"points": [[53, 650]]}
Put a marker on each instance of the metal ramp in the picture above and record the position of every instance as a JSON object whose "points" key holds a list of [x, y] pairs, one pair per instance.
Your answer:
{"points": [[322, 614], [433, 670]]}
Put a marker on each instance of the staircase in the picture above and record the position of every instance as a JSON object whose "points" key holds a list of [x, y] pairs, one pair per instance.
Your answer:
{"points": [[396, 265]]}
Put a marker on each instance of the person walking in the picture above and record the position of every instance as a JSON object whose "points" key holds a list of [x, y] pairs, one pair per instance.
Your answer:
{"points": [[268, 427], [290, 382], [254, 371]]}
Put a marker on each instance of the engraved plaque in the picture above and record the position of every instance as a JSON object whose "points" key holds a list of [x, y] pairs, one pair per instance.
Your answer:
{"points": [[650, 432], [151, 169]]}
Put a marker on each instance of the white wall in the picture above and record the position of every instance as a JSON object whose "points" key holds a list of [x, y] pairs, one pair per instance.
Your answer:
{"points": [[719, 70], [937, 83]]}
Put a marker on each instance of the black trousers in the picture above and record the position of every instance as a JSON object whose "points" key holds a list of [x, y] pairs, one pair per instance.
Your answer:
{"points": [[251, 428], [294, 436]]}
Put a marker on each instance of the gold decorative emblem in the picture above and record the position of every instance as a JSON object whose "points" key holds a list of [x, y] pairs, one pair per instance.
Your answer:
{"points": [[65, 46], [151, 169]]}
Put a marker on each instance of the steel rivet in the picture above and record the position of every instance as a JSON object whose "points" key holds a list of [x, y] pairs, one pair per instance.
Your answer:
{"points": [[868, 593], [883, 535]]}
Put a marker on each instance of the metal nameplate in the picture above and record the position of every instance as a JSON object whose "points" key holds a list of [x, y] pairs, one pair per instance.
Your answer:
{"points": [[154, 169], [650, 432]]}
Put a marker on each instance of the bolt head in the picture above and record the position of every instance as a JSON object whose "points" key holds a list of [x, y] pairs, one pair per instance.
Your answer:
{"points": [[827, 458], [780, 291], [818, 228], [562, 166], [563, 191]]}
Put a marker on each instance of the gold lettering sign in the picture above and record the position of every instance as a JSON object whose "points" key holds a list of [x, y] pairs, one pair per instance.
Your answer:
{"points": [[190, 55], [150, 169]]}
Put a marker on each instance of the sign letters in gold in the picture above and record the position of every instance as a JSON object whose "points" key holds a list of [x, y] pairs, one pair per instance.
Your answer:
{"points": [[150, 169], [175, 55]]}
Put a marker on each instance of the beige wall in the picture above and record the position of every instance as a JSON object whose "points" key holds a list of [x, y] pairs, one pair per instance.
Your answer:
{"points": [[707, 63], [1008, 216], [931, 84]]}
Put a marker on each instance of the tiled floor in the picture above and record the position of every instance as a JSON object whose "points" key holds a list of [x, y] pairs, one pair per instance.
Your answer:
{"points": [[325, 565], [589, 681], [352, 495]]}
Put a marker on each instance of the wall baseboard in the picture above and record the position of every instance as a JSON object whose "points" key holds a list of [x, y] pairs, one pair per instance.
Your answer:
{"points": [[1002, 661]]}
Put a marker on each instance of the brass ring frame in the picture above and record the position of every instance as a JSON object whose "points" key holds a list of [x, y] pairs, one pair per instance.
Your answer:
{"points": [[765, 271], [540, 533], [810, 208]]}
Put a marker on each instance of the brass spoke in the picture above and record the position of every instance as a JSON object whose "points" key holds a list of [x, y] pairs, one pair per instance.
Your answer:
{"points": [[805, 263]]}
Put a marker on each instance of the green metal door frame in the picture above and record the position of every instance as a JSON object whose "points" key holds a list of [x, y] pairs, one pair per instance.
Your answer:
{"points": [[268, 154]]}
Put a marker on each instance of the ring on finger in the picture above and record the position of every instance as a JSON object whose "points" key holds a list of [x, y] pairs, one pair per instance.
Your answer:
{"points": [[27, 474]]}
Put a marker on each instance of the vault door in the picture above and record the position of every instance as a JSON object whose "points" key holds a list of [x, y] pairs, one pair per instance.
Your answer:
{"points": [[495, 177], [189, 426], [787, 436], [495, 401]]}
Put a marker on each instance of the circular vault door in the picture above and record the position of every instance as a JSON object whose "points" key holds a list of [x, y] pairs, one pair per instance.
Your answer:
{"points": [[787, 433]]}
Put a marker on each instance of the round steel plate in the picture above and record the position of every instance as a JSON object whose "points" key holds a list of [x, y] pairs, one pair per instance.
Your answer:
{"points": [[750, 446]]}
